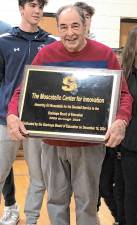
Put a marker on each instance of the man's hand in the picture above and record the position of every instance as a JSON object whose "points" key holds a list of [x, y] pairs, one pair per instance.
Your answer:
{"points": [[116, 133], [16, 128]]}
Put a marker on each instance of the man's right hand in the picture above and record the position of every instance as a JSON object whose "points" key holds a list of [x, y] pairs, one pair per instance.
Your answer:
{"points": [[16, 128]]}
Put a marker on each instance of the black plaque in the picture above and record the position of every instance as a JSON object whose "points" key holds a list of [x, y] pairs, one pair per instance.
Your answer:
{"points": [[69, 103]]}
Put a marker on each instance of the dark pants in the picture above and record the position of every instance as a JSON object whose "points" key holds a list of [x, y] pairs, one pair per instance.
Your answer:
{"points": [[107, 182], [9, 190], [111, 185], [129, 172], [119, 189]]}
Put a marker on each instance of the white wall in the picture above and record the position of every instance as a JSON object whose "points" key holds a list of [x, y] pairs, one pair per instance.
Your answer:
{"points": [[105, 23], [9, 11]]}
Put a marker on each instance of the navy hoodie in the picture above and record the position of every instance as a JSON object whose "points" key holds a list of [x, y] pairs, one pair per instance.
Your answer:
{"points": [[17, 49]]}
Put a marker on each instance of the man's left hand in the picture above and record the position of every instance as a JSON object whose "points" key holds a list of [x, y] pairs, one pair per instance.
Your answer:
{"points": [[115, 134]]}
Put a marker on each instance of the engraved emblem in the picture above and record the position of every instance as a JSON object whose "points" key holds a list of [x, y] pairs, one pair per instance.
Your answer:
{"points": [[69, 84]]}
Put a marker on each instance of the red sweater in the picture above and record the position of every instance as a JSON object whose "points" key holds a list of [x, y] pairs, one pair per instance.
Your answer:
{"points": [[94, 55]]}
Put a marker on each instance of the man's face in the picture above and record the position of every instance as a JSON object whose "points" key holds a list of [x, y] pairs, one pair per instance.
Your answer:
{"points": [[31, 12], [71, 30], [88, 21]]}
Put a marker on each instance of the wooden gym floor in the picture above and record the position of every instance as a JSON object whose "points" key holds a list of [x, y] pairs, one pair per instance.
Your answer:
{"points": [[21, 182]]}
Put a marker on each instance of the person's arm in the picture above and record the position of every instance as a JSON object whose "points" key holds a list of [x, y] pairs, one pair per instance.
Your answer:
{"points": [[125, 106], [16, 128], [116, 133]]}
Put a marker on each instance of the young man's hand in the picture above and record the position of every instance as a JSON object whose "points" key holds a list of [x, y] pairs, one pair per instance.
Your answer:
{"points": [[16, 128]]}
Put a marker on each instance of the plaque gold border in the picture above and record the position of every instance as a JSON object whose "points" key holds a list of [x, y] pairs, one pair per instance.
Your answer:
{"points": [[87, 71]]}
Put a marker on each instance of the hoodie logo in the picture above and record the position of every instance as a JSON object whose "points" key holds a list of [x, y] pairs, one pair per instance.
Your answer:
{"points": [[16, 49]]}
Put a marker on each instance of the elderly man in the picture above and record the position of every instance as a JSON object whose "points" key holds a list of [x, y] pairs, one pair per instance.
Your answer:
{"points": [[74, 167], [18, 48]]}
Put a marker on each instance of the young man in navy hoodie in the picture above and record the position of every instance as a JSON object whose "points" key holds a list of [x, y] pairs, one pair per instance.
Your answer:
{"points": [[18, 48], [9, 186]]}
